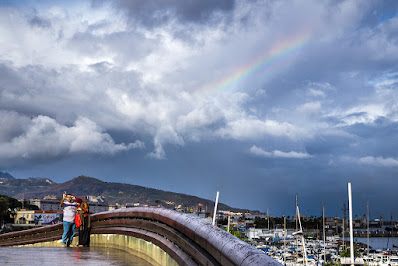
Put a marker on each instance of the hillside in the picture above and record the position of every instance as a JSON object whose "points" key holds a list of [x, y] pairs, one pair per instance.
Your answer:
{"points": [[6, 176], [112, 192]]}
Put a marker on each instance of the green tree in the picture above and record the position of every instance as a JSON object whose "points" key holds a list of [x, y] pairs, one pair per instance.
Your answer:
{"points": [[260, 222], [222, 221], [7, 205], [347, 253], [236, 233], [332, 263]]}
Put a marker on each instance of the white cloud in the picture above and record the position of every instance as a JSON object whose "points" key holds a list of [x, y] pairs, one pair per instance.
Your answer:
{"points": [[310, 108], [278, 154], [164, 135], [387, 83], [379, 161], [254, 128], [365, 114], [175, 83], [316, 93], [319, 89], [44, 137], [155, 83], [195, 124]]}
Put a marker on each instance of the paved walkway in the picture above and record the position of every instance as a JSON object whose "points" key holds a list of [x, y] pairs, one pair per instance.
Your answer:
{"points": [[47, 256]]}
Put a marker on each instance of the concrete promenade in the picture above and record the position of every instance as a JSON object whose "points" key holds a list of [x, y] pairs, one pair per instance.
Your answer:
{"points": [[49, 256]]}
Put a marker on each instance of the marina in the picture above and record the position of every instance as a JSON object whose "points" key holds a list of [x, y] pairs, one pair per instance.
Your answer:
{"points": [[290, 251], [299, 247]]}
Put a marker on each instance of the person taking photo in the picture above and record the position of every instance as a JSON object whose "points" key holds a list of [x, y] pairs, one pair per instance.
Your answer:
{"points": [[70, 207]]}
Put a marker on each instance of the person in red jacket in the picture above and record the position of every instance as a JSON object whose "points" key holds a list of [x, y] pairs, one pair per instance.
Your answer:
{"points": [[84, 229]]}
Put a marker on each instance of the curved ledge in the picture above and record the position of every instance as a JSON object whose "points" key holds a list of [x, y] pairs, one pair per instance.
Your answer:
{"points": [[187, 238], [225, 248]]}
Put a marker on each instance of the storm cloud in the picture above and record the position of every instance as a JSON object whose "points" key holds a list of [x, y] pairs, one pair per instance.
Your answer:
{"points": [[280, 90]]}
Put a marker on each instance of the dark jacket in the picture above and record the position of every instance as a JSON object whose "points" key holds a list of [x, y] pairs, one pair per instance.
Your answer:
{"points": [[81, 213]]}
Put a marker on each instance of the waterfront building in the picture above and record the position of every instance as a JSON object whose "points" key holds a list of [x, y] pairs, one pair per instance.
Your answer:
{"points": [[24, 216], [126, 205], [112, 207], [96, 207], [265, 234], [47, 204], [303, 217], [96, 204], [95, 199]]}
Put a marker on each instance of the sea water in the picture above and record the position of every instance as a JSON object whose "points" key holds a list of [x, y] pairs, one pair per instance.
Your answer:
{"points": [[378, 242]]}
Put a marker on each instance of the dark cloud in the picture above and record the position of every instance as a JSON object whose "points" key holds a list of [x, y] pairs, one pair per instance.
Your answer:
{"points": [[159, 12], [258, 99], [380, 13], [37, 21], [125, 45], [377, 139], [101, 66], [323, 145], [86, 43]]}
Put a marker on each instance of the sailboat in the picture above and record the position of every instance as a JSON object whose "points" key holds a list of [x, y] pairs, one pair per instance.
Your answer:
{"points": [[351, 260], [300, 232]]}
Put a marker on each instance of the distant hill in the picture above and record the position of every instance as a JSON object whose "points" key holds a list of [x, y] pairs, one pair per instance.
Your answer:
{"points": [[6, 176], [112, 192]]}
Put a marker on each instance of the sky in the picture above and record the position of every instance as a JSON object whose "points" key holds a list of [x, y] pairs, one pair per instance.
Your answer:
{"points": [[259, 100]]}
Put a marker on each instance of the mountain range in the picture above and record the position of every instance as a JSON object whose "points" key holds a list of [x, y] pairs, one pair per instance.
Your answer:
{"points": [[37, 187]]}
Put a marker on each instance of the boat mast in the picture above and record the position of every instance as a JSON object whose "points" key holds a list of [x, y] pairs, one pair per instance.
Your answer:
{"points": [[367, 208], [344, 218], [296, 214], [229, 222], [351, 229], [215, 208], [284, 242], [388, 239], [302, 237], [324, 234], [296, 226], [382, 222]]}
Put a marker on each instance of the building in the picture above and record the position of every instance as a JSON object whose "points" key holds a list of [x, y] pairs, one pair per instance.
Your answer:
{"points": [[24, 216], [333, 225], [96, 207], [258, 233], [96, 204], [54, 204], [303, 217], [112, 207], [96, 199], [47, 204]]}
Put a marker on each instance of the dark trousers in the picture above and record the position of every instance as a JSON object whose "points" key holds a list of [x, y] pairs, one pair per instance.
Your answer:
{"points": [[84, 233]]}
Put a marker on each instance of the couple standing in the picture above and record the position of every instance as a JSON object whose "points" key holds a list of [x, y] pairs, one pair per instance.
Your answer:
{"points": [[75, 212]]}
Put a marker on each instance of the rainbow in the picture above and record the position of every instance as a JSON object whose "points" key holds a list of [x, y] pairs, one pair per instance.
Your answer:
{"points": [[279, 52]]}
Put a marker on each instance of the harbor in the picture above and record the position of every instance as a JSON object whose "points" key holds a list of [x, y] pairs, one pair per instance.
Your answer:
{"points": [[333, 251], [299, 246]]}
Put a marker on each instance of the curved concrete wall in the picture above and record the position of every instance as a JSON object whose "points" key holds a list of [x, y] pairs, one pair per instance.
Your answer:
{"points": [[188, 239], [138, 247]]}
